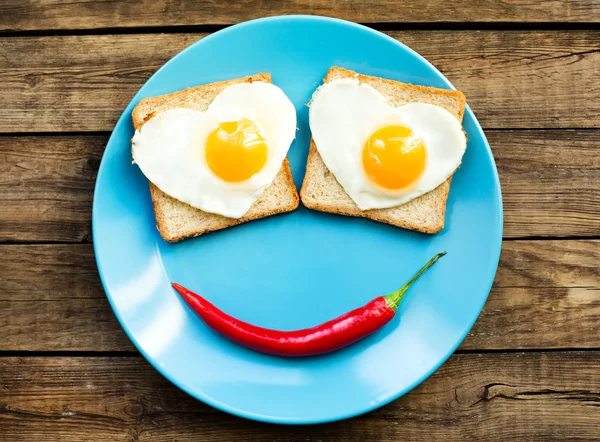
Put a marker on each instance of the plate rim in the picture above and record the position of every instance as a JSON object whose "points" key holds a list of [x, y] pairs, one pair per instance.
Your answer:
{"points": [[213, 402]]}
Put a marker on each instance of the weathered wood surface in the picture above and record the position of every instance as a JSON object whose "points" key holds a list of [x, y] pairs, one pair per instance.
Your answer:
{"points": [[546, 295], [483, 397], [512, 79], [550, 184], [47, 187], [535, 88], [51, 298], [19, 15]]}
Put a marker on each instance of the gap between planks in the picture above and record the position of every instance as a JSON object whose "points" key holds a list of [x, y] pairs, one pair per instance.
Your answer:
{"points": [[88, 241], [134, 353], [377, 26], [16, 15]]}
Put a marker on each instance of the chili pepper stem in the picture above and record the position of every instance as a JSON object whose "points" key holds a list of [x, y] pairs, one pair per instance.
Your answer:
{"points": [[394, 299]]}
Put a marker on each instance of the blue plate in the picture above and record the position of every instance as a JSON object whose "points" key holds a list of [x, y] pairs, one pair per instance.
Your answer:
{"points": [[299, 269]]}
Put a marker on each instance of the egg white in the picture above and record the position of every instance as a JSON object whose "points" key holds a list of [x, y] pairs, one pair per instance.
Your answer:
{"points": [[170, 147], [343, 115]]}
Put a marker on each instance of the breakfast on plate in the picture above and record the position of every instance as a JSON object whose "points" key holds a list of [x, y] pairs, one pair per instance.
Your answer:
{"points": [[324, 338], [280, 214], [383, 150], [216, 155]]}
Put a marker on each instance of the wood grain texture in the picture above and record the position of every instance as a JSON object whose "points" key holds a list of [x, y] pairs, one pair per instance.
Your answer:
{"points": [[546, 295], [51, 298], [528, 88], [550, 184], [484, 397], [47, 187], [19, 15], [512, 79]]}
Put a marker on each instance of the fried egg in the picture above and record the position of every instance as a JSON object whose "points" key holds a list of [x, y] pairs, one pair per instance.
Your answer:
{"points": [[222, 159], [382, 155]]}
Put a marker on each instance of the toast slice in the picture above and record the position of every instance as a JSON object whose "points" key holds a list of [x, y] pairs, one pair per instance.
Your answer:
{"points": [[176, 220], [321, 191]]}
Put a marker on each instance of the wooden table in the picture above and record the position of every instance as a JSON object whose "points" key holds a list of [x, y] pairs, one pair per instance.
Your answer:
{"points": [[529, 369]]}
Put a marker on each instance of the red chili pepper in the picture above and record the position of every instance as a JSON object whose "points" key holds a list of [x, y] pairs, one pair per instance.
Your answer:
{"points": [[329, 336]]}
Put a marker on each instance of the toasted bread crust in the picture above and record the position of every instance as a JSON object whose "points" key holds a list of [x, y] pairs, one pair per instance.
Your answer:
{"points": [[171, 232], [321, 191], [176, 220]]}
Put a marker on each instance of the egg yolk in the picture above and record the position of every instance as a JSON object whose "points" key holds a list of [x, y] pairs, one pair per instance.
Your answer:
{"points": [[393, 157], [236, 150]]}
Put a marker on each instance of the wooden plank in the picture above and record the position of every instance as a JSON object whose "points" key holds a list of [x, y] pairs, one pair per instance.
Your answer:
{"points": [[550, 182], [523, 79], [531, 396], [18, 15], [546, 295], [51, 298], [47, 187], [77, 83], [512, 79], [72, 324]]}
